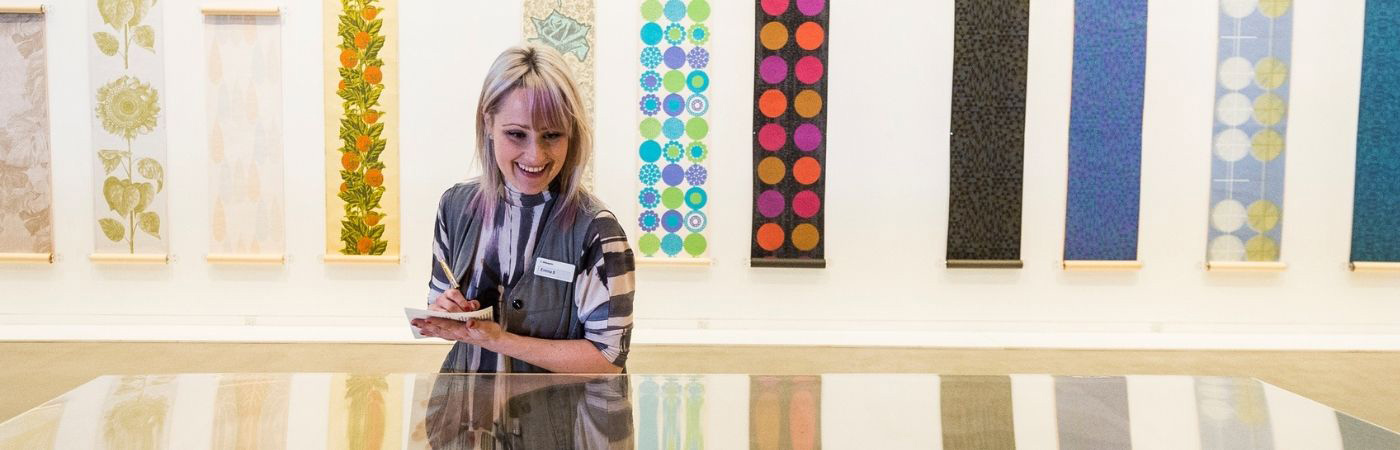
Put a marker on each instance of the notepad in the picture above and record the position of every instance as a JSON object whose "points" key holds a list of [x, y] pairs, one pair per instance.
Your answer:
{"points": [[415, 313]]}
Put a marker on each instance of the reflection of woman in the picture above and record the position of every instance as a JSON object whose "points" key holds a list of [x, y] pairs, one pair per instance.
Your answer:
{"points": [[529, 412], [528, 239]]}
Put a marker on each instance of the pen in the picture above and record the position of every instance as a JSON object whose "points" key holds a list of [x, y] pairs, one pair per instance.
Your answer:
{"points": [[447, 270]]}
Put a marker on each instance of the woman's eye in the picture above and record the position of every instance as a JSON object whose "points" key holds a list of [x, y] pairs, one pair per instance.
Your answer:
{"points": [[516, 134], [553, 135]]}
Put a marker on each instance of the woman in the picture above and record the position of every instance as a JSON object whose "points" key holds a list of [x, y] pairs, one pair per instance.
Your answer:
{"points": [[527, 239]]}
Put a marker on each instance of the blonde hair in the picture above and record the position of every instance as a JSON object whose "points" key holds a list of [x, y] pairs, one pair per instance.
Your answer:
{"points": [[554, 101]]}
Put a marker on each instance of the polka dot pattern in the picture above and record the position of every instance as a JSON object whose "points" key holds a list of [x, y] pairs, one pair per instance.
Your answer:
{"points": [[673, 68], [1251, 119], [789, 128]]}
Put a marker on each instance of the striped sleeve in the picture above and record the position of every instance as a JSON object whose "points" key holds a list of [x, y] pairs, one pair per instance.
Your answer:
{"points": [[603, 291], [437, 281]]}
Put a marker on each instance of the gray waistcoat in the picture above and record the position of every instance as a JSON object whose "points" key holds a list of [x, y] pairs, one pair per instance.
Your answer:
{"points": [[535, 306]]}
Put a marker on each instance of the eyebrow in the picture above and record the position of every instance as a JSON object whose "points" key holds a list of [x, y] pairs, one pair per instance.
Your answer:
{"points": [[527, 127]]}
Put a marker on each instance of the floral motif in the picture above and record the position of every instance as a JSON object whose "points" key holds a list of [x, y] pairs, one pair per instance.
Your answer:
{"points": [[650, 174], [648, 221], [651, 81], [128, 107], [649, 198], [361, 130], [673, 151], [698, 57], [675, 34], [26, 197], [125, 16], [650, 104], [651, 57], [564, 33], [699, 34], [697, 152], [696, 175]]}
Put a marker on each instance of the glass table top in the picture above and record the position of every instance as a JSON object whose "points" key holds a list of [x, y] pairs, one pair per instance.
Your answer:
{"points": [[846, 411]]}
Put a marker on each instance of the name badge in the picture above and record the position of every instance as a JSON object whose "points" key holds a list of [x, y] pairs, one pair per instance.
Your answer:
{"points": [[549, 268]]}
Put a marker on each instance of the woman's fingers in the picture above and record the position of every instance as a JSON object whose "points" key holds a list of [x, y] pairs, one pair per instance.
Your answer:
{"points": [[451, 301]]}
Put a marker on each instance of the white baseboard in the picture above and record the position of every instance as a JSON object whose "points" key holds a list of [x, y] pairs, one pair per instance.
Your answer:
{"points": [[1111, 340]]}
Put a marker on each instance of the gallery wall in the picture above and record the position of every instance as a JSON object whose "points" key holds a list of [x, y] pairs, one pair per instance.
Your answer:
{"points": [[886, 194]]}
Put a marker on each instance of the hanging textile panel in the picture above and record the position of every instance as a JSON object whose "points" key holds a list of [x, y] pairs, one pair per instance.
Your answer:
{"points": [[244, 108], [567, 26], [126, 65], [988, 132], [1251, 106], [1105, 130], [674, 104], [1376, 208], [26, 186], [362, 138], [789, 146]]}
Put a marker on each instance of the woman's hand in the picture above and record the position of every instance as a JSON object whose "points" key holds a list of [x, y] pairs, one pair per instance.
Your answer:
{"points": [[454, 301], [481, 333]]}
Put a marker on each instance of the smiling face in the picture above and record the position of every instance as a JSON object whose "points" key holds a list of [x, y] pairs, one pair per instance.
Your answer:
{"points": [[529, 154]]}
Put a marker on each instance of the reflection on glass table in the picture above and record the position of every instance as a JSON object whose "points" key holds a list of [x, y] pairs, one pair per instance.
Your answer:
{"points": [[848, 411]]}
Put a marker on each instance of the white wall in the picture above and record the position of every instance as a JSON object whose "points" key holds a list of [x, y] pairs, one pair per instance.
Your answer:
{"points": [[886, 202]]}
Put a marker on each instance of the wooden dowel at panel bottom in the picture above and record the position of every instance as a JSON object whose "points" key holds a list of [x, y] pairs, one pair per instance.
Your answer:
{"points": [[984, 264], [129, 258], [673, 262], [26, 258], [1246, 266], [791, 263], [21, 9], [233, 10], [226, 258], [362, 259], [1085, 265], [1375, 266]]}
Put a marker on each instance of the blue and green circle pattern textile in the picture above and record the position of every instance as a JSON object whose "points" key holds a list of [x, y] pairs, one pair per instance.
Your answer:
{"points": [[672, 105]]}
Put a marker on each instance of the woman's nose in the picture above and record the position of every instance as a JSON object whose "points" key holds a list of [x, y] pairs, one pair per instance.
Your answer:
{"points": [[536, 148]]}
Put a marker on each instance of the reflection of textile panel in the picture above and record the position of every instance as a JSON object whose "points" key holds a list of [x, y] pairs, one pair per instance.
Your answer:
{"points": [[1092, 413], [1233, 414], [126, 68], [366, 411], [976, 412], [361, 63], [789, 125], [673, 102], [1362, 435], [988, 129], [1376, 211], [1105, 129], [137, 412], [26, 191], [785, 412], [567, 26], [671, 412], [1251, 106], [251, 411], [244, 107]]}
